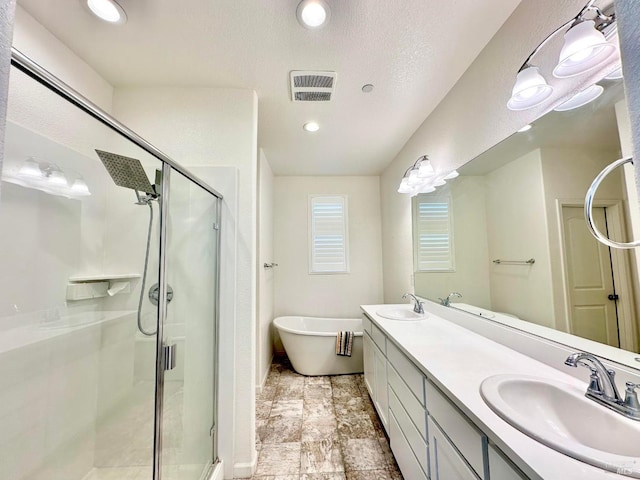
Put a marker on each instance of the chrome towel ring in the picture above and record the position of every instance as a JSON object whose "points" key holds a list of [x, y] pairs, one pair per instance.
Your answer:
{"points": [[588, 206]]}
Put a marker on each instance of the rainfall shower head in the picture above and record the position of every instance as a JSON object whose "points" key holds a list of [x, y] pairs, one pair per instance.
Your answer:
{"points": [[126, 172]]}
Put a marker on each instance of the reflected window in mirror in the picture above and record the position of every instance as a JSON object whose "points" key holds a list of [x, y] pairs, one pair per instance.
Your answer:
{"points": [[433, 233]]}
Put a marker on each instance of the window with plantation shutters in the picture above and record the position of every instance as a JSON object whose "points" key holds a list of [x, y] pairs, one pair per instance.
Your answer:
{"points": [[433, 234], [328, 234]]}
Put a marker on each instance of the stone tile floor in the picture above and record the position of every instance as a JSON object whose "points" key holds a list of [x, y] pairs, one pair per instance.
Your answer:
{"points": [[319, 428]]}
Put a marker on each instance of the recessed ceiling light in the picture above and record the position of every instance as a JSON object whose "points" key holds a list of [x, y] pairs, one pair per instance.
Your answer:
{"points": [[313, 13], [367, 88], [525, 128], [107, 10], [311, 127]]}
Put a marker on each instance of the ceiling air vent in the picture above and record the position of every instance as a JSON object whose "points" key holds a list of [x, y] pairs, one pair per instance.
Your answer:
{"points": [[312, 86]]}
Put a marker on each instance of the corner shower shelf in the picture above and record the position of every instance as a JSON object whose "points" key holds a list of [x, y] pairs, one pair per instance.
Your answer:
{"points": [[103, 277]]}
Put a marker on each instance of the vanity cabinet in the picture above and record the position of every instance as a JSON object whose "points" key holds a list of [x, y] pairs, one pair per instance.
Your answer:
{"points": [[431, 439], [375, 369]]}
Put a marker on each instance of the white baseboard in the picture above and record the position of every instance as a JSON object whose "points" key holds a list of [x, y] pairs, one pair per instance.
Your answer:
{"points": [[245, 470], [265, 375]]}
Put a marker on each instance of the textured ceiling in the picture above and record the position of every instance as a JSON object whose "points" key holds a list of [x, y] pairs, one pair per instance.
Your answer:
{"points": [[413, 51]]}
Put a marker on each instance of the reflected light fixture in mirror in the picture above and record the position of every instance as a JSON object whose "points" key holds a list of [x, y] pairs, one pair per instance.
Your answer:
{"points": [[580, 99], [107, 10], [585, 48], [313, 13], [526, 128], [421, 177], [45, 177]]}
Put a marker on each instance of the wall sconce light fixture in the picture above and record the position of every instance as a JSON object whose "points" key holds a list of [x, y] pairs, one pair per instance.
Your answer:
{"points": [[421, 177], [586, 46]]}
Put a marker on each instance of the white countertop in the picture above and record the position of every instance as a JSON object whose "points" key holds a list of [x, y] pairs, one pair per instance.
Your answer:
{"points": [[457, 361]]}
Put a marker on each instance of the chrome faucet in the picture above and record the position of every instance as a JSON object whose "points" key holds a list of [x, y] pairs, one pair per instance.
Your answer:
{"points": [[602, 386], [418, 304], [447, 301]]}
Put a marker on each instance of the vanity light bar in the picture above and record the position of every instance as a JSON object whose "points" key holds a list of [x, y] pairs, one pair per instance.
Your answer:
{"points": [[585, 48], [421, 177]]}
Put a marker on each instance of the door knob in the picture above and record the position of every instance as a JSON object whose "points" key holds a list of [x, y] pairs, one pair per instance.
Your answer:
{"points": [[613, 296]]}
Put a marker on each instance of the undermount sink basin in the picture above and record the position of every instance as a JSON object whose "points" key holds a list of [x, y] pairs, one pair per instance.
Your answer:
{"points": [[561, 417], [401, 313]]}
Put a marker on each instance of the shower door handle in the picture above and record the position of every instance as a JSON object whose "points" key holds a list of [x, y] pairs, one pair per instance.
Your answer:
{"points": [[169, 353]]}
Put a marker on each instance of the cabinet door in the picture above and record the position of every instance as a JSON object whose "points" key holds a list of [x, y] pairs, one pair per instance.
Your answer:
{"points": [[502, 469], [369, 364], [382, 396], [446, 462]]}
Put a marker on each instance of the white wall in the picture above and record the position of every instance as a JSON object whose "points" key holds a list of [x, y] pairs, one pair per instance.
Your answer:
{"points": [[517, 230], [264, 342], [204, 127], [471, 250], [340, 295]]}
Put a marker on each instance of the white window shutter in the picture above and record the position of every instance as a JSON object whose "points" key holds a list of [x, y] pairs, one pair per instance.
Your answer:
{"points": [[433, 234], [328, 234]]}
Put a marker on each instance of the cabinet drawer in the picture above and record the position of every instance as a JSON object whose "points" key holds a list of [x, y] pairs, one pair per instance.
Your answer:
{"points": [[407, 461], [411, 433], [407, 370], [408, 400], [379, 338], [366, 324], [446, 462], [467, 439]]}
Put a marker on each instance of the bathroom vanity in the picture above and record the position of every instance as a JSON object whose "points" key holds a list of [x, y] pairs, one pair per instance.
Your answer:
{"points": [[424, 378]]}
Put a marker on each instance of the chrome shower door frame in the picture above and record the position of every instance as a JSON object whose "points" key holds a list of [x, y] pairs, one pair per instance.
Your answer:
{"points": [[53, 83]]}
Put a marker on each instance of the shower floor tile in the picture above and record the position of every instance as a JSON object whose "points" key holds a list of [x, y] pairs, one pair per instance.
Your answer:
{"points": [[341, 437]]}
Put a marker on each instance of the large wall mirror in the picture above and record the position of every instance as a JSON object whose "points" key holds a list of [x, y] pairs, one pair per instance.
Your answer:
{"points": [[509, 234]]}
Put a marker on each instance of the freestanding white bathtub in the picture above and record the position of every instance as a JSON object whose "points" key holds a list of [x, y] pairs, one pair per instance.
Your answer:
{"points": [[310, 344]]}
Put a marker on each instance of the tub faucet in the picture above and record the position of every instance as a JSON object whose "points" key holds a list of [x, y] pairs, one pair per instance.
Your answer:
{"points": [[417, 303], [602, 386], [447, 301]]}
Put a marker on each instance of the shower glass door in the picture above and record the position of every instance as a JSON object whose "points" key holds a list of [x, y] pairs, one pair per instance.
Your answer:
{"points": [[188, 389]]}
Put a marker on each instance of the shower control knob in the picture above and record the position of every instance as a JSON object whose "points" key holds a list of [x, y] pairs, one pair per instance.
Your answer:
{"points": [[154, 294]]}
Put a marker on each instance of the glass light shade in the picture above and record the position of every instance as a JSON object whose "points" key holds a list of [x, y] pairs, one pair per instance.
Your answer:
{"points": [[526, 128], [313, 13], [587, 95], [426, 169], [530, 90], [615, 75], [584, 48], [80, 188], [107, 10], [57, 178], [451, 175], [426, 188], [30, 169], [404, 186], [438, 182], [414, 178]]}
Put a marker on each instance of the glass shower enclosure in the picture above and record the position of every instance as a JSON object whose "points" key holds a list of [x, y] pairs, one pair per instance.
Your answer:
{"points": [[108, 300]]}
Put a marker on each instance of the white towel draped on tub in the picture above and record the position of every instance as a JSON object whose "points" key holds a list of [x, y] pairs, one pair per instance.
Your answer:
{"points": [[344, 343]]}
